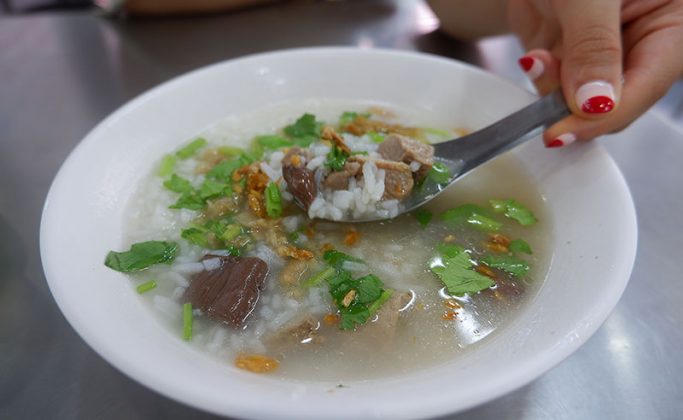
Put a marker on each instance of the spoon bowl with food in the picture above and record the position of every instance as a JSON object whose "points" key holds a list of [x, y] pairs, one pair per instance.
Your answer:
{"points": [[353, 183]]}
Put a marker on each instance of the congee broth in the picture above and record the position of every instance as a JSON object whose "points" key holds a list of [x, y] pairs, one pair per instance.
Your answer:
{"points": [[217, 247]]}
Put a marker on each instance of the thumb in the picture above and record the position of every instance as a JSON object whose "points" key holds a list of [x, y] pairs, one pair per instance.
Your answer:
{"points": [[592, 55]]}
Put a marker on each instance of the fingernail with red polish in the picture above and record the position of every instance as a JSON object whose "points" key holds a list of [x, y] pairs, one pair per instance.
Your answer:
{"points": [[533, 67], [595, 97], [562, 140]]}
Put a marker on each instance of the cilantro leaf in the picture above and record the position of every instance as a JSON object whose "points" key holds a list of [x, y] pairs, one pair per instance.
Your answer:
{"points": [[450, 250], [223, 171], [520, 246], [304, 131], [142, 255], [512, 265], [178, 184], [368, 295], [211, 189], [470, 214], [196, 236], [455, 271], [514, 210], [188, 200], [336, 159], [354, 315], [369, 289], [423, 217]]}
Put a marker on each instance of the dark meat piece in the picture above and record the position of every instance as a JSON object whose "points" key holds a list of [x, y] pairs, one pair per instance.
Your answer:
{"points": [[407, 150], [228, 293], [339, 180], [300, 181]]}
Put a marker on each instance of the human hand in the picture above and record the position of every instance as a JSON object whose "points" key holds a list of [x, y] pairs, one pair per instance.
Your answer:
{"points": [[612, 59]]}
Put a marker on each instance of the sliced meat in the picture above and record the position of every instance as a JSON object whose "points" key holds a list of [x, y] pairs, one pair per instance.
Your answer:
{"points": [[300, 181], [398, 179], [298, 332], [381, 333], [229, 292], [407, 150], [293, 272], [339, 180]]}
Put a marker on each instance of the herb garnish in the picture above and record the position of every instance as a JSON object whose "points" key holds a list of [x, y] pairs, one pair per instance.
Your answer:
{"points": [[510, 264], [191, 149], [142, 255], [455, 269], [514, 210], [471, 214], [304, 131], [336, 159], [520, 246]]}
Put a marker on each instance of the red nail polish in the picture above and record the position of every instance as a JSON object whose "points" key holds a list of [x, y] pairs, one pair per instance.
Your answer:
{"points": [[555, 143], [598, 105], [526, 63]]}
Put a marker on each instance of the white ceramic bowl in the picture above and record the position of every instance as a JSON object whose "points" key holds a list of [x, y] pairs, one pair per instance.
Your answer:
{"points": [[594, 236]]}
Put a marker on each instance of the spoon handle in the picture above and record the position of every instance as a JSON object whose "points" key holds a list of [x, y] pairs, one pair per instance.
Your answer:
{"points": [[478, 147]]}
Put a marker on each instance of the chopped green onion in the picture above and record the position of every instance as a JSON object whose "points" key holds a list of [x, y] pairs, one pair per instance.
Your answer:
{"points": [[146, 286], [273, 200], [376, 137], [166, 166], [318, 278], [230, 151], [439, 173], [436, 132], [231, 232], [423, 217], [337, 258], [192, 148], [196, 236], [187, 321]]}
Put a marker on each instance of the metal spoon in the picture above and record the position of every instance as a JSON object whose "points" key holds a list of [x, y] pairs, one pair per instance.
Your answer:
{"points": [[465, 153]]}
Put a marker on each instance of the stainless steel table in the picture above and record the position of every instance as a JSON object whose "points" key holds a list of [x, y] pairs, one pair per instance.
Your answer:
{"points": [[61, 73]]}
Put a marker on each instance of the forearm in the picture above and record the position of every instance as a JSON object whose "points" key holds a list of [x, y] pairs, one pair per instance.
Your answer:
{"points": [[471, 19]]}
